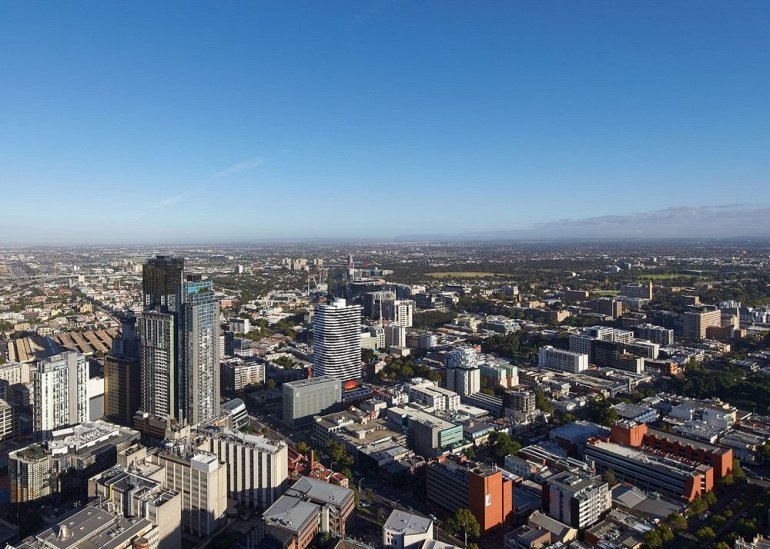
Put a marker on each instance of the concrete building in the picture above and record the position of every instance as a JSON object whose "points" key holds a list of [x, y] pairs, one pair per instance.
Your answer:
{"points": [[310, 506], [656, 334], [561, 360], [519, 401], [403, 312], [306, 398], [136, 495], [337, 343], [202, 481], [499, 374], [643, 459], [157, 357], [481, 488], [576, 499], [239, 373], [63, 463], [639, 291], [94, 526], [60, 386], [257, 467], [437, 398], [462, 371], [428, 435], [606, 306], [240, 325], [9, 424], [697, 322], [395, 336], [405, 530]]}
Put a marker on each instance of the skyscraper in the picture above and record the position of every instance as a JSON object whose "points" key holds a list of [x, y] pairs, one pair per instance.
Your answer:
{"points": [[337, 340], [199, 358], [158, 359], [61, 399], [179, 351], [122, 376]]}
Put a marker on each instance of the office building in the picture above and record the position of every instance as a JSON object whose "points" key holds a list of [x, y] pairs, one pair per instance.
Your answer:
{"points": [[9, 424], [561, 360], [395, 336], [697, 322], [306, 398], [427, 434], [157, 356], [202, 481], [610, 354], [520, 401], [463, 375], [643, 459], [403, 312], [199, 359], [499, 374], [436, 398], [63, 463], [576, 499], [60, 387], [405, 530], [96, 526], [639, 291], [657, 334], [606, 306], [337, 341], [122, 375], [257, 467], [481, 488], [240, 325], [136, 495], [239, 373]]}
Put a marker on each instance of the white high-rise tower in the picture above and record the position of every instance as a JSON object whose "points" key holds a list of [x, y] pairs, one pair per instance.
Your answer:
{"points": [[337, 341]]}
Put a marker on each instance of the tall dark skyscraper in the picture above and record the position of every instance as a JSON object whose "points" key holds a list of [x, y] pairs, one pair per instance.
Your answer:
{"points": [[122, 377], [179, 351]]}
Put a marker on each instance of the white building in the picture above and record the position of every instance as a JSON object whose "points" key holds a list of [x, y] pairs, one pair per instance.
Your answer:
{"points": [[403, 312], [438, 398], [60, 386], [257, 467], [577, 499], [337, 340], [240, 325], [463, 373], [404, 530], [561, 360]]}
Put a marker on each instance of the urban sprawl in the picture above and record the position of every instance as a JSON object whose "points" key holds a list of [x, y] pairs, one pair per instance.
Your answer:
{"points": [[400, 395]]}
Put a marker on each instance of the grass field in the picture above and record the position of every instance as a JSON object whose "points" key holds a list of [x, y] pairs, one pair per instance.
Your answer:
{"points": [[671, 276], [464, 274]]}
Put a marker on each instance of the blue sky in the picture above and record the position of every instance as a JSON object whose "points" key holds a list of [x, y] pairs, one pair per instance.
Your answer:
{"points": [[217, 121]]}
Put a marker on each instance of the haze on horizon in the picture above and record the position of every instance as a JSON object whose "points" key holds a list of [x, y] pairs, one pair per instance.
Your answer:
{"points": [[201, 122]]}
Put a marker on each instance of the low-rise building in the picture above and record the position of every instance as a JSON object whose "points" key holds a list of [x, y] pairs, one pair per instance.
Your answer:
{"points": [[405, 530]]}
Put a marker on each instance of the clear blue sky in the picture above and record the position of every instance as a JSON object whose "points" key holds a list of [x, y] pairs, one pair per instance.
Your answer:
{"points": [[184, 121]]}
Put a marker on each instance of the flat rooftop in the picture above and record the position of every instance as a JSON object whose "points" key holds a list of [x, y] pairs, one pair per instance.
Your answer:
{"points": [[407, 523]]}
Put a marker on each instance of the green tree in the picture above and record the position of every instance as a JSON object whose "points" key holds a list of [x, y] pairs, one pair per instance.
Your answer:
{"points": [[705, 533], [303, 447], [652, 540], [367, 355], [503, 445], [721, 545], [738, 473], [666, 533], [609, 477], [270, 384], [677, 522], [542, 402], [710, 498], [463, 522], [601, 411]]}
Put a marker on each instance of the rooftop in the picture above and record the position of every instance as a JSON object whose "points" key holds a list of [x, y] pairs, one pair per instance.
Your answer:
{"points": [[407, 523]]}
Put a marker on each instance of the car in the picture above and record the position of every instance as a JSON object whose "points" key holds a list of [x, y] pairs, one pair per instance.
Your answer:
{"points": [[432, 517]]}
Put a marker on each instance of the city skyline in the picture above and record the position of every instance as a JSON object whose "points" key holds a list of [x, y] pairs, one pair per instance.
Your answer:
{"points": [[502, 119]]}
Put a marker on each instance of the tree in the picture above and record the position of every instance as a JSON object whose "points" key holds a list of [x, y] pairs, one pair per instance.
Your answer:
{"points": [[652, 540], [464, 522], [542, 402], [677, 522], [601, 411], [503, 445], [339, 454], [469, 452], [367, 355], [609, 477], [303, 447], [709, 498], [705, 533], [738, 473], [270, 384], [721, 545], [666, 534]]}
